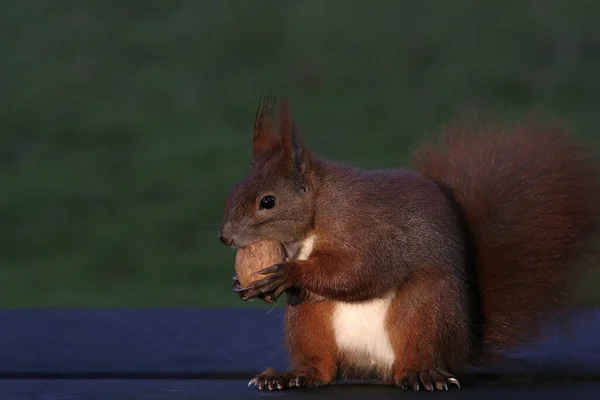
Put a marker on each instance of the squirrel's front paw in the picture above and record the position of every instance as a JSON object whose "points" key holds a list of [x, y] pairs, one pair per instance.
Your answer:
{"points": [[237, 288], [270, 287]]}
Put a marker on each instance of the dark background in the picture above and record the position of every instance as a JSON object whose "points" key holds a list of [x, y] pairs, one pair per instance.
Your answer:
{"points": [[123, 124]]}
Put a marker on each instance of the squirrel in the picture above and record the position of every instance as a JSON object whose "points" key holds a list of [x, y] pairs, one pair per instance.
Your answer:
{"points": [[406, 277]]}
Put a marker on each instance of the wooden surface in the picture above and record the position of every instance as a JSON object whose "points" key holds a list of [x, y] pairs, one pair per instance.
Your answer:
{"points": [[202, 353]]}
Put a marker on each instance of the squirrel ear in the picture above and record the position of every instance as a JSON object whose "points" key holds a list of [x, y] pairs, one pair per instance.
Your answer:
{"points": [[266, 139], [294, 152]]}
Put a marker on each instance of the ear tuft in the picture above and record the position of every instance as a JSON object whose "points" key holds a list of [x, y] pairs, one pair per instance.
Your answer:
{"points": [[265, 135], [277, 134], [296, 156], [287, 129]]}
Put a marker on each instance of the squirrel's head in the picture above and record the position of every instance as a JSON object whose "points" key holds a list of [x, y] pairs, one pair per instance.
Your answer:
{"points": [[276, 198]]}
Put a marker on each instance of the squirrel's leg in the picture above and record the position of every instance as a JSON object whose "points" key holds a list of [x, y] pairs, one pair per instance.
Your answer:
{"points": [[311, 346], [429, 331]]}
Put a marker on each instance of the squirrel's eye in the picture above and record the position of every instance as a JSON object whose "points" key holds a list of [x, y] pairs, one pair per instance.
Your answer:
{"points": [[267, 202]]}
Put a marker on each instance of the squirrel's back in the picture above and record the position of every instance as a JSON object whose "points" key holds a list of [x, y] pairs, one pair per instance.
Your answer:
{"points": [[530, 196]]}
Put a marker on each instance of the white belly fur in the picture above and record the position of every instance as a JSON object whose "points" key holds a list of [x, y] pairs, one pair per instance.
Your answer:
{"points": [[306, 248], [360, 328], [361, 334]]}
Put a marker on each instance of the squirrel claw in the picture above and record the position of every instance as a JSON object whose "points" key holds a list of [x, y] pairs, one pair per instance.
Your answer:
{"points": [[237, 288], [454, 381]]}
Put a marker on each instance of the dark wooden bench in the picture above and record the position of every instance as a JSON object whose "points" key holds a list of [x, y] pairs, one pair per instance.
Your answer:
{"points": [[212, 353]]}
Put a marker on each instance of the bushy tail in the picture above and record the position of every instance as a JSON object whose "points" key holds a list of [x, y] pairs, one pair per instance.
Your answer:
{"points": [[530, 194]]}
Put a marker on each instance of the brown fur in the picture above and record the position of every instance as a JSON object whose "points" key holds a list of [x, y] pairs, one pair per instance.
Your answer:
{"points": [[443, 332], [478, 245], [344, 269], [310, 341], [530, 194]]}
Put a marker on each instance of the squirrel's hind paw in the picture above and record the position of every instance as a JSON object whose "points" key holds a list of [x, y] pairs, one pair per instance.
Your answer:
{"points": [[431, 380]]}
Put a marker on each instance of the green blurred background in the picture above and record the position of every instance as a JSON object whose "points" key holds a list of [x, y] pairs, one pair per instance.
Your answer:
{"points": [[123, 124]]}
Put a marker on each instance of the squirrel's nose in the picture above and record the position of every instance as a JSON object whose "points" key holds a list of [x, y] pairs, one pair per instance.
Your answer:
{"points": [[225, 240]]}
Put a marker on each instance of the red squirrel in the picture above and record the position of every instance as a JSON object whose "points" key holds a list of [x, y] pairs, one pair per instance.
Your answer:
{"points": [[407, 277]]}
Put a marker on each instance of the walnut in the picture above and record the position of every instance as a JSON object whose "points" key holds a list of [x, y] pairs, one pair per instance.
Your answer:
{"points": [[256, 256]]}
